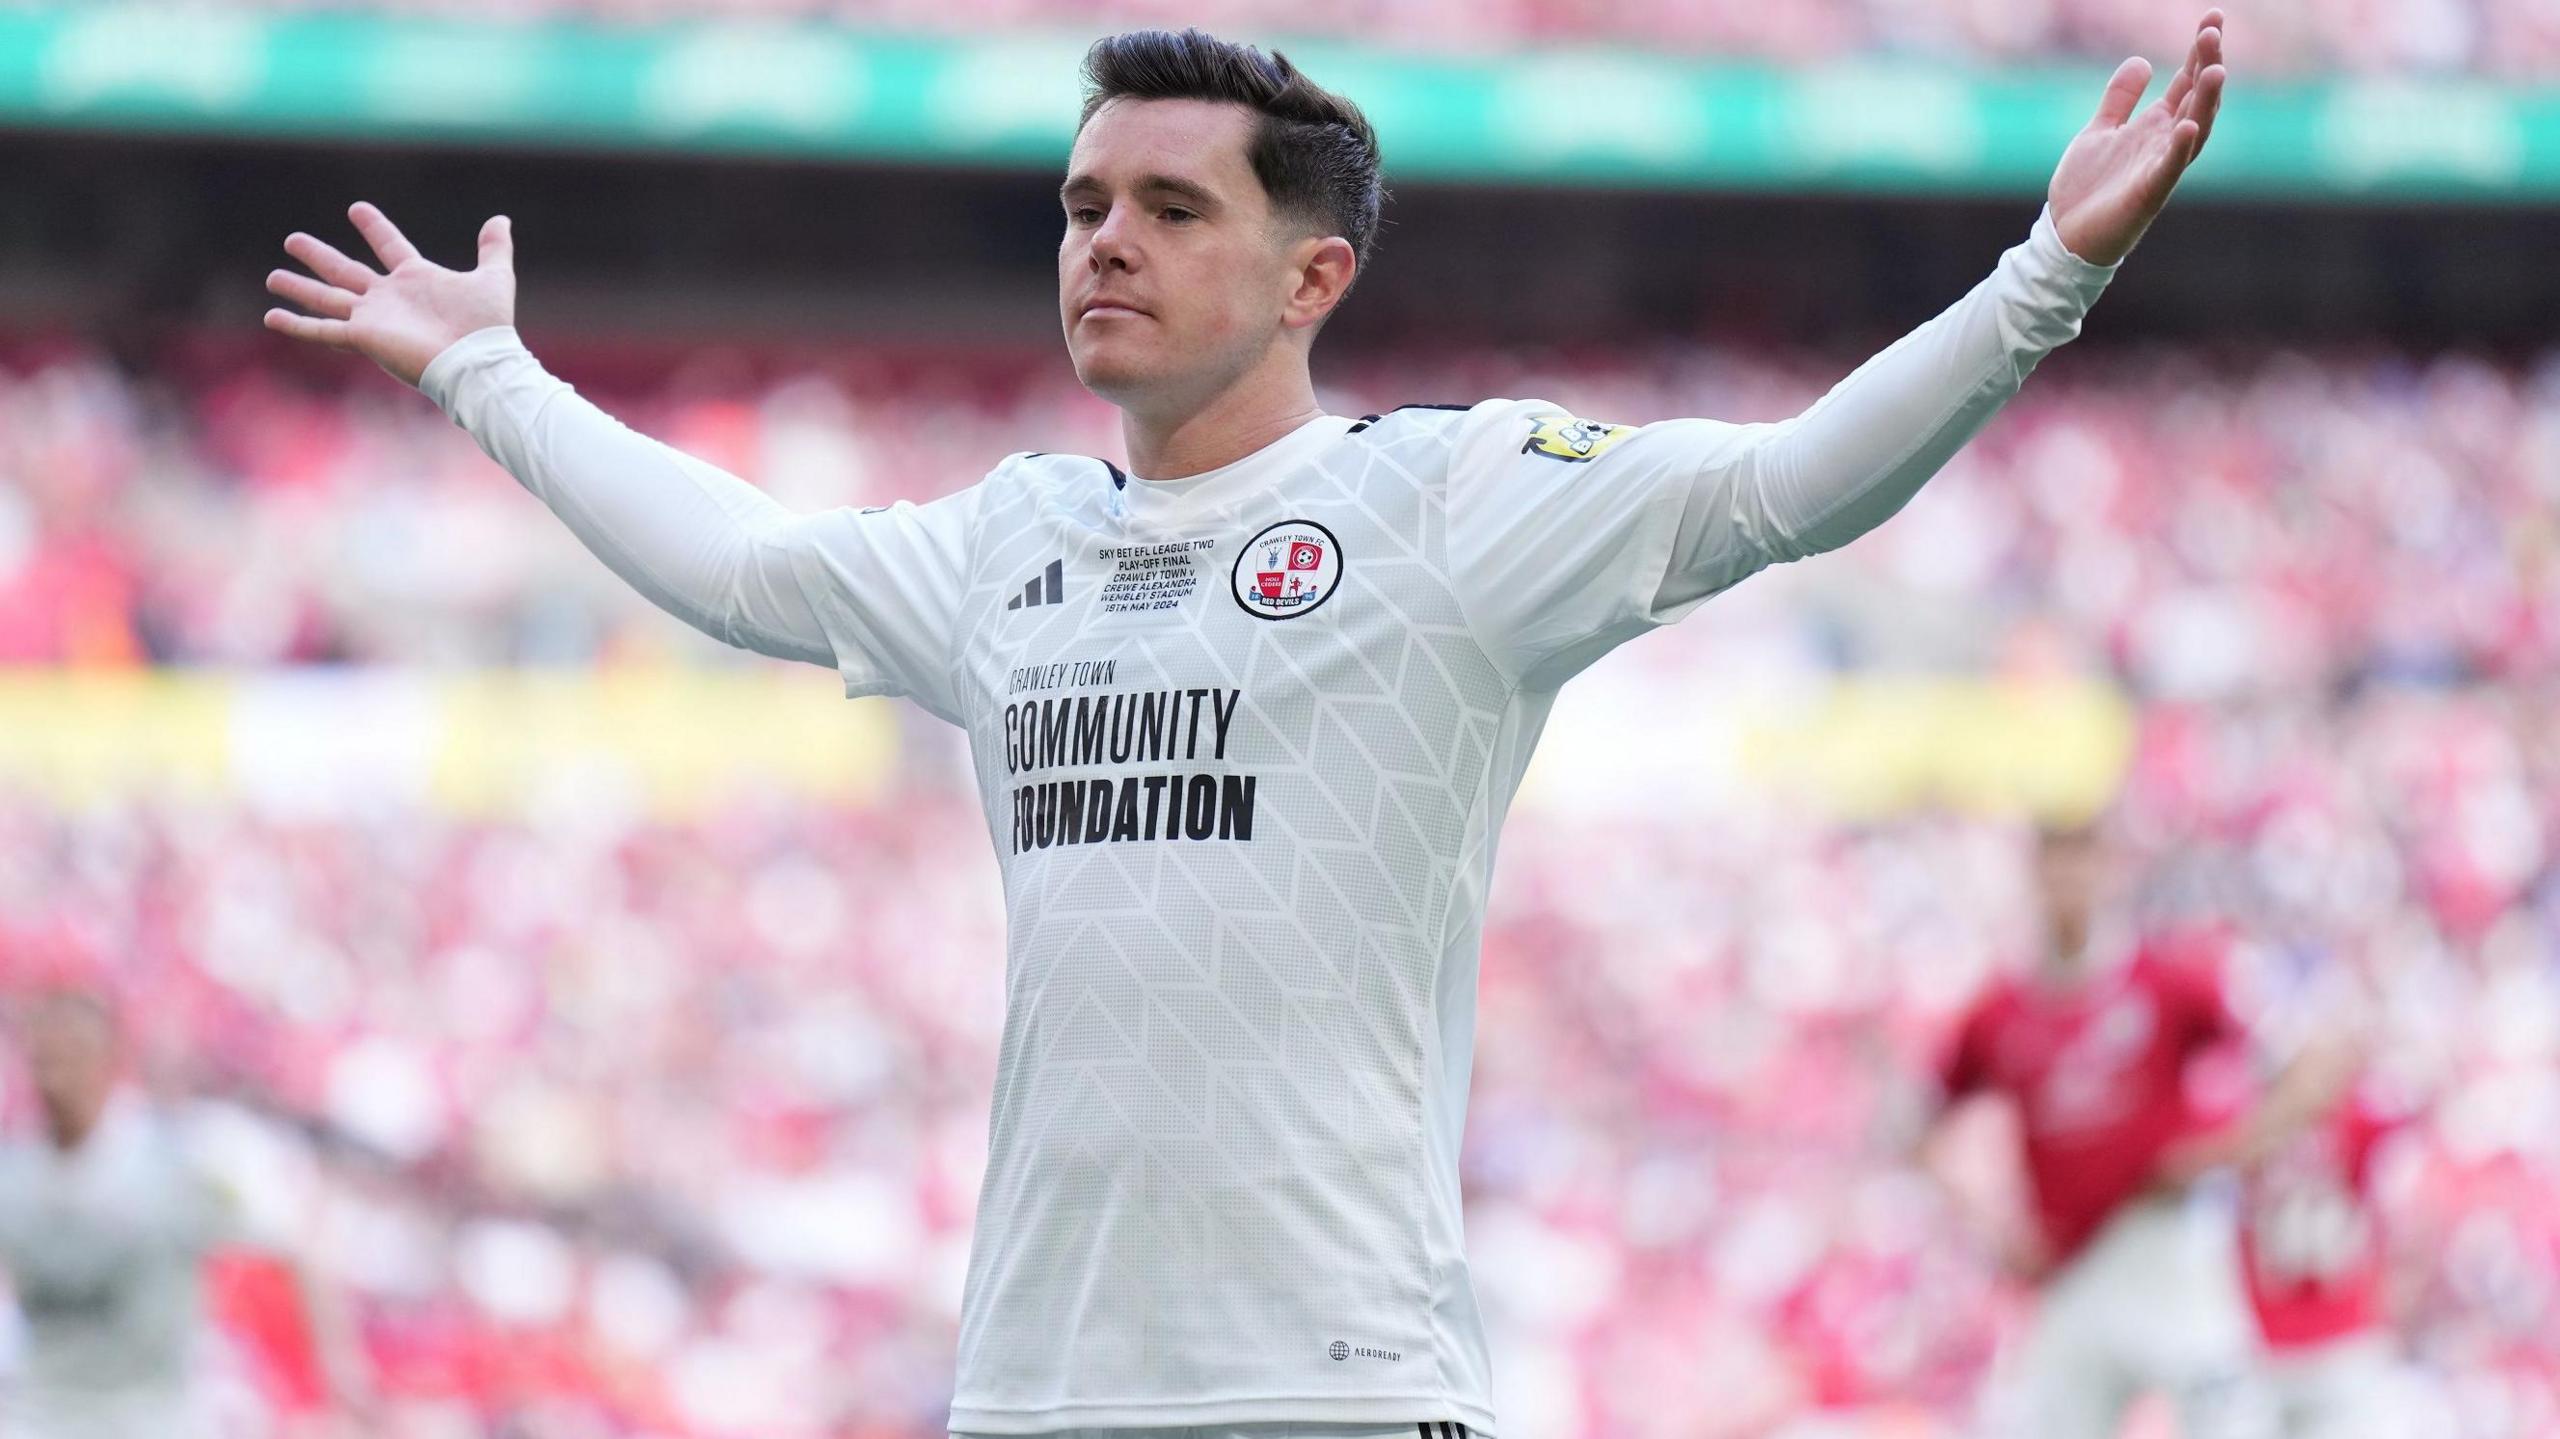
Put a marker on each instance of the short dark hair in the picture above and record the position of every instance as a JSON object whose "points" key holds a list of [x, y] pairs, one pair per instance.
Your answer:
{"points": [[1313, 150]]}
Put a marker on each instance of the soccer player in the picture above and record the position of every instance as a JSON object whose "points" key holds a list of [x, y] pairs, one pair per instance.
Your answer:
{"points": [[103, 1228], [1247, 715], [2312, 1253], [2096, 1050]]}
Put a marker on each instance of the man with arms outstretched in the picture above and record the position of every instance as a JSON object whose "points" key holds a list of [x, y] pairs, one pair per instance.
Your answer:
{"points": [[1247, 716]]}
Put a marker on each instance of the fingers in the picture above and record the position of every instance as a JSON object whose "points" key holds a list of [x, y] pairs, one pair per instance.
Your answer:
{"points": [[336, 334], [2180, 84], [2185, 140], [2185, 143], [2206, 52], [2124, 91], [389, 245], [498, 242], [328, 264], [2206, 103], [2192, 127], [310, 294]]}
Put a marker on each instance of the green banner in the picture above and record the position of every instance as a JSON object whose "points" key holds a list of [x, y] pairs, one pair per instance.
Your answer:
{"points": [[1557, 116]]}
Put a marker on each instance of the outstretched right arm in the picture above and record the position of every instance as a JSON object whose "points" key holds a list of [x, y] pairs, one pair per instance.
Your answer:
{"points": [[702, 544]]}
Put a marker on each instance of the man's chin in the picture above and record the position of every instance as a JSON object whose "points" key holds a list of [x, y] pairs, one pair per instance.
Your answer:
{"points": [[1149, 380], [1115, 378]]}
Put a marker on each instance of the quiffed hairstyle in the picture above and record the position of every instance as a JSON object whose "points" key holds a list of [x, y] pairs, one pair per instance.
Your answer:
{"points": [[1313, 150]]}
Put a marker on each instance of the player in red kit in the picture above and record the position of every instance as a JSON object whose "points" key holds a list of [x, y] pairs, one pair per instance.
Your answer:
{"points": [[2311, 1255], [2094, 1050]]}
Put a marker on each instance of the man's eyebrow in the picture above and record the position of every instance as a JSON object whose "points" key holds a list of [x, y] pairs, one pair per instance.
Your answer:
{"points": [[1197, 194]]}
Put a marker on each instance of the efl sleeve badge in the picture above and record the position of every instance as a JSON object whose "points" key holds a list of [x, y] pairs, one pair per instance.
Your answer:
{"points": [[1562, 437]]}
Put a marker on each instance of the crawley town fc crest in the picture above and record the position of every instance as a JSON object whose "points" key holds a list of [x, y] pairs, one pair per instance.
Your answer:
{"points": [[1288, 570]]}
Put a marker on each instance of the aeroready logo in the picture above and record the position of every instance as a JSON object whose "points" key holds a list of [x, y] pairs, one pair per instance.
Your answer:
{"points": [[1287, 570]]}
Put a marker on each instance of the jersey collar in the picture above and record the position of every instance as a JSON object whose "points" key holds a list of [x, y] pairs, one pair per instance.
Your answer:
{"points": [[1165, 500]]}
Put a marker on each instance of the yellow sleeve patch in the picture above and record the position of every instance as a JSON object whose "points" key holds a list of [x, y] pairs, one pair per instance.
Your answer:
{"points": [[1562, 437]]}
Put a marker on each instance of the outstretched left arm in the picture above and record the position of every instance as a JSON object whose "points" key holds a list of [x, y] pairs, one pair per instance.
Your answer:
{"points": [[1560, 566], [1771, 493]]}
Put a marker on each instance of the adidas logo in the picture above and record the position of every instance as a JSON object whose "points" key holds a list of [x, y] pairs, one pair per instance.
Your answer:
{"points": [[1045, 588]]}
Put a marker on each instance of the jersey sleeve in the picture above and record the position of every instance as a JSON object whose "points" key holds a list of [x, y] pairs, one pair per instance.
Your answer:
{"points": [[870, 592], [2372, 1122], [1561, 529], [885, 586], [185, 1205], [1569, 536], [2191, 991], [1965, 1067]]}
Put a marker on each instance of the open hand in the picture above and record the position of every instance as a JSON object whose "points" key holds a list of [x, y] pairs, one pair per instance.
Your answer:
{"points": [[403, 315], [2119, 171]]}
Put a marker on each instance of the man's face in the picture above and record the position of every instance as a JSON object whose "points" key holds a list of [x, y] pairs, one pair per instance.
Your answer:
{"points": [[70, 1052], [2071, 873], [1172, 276]]}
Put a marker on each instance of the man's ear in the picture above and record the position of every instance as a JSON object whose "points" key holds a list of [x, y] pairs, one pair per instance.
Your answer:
{"points": [[1325, 266]]}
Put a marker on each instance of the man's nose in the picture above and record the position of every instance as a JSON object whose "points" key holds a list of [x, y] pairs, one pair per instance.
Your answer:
{"points": [[1112, 247]]}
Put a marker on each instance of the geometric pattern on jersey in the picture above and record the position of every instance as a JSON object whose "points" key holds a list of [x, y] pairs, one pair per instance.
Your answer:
{"points": [[1222, 1176]]}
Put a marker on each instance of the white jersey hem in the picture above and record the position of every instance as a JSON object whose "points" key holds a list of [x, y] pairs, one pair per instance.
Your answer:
{"points": [[1273, 1409]]}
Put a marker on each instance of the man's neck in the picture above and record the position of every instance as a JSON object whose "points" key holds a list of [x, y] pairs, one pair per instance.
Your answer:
{"points": [[70, 1125], [2065, 966], [1243, 419]]}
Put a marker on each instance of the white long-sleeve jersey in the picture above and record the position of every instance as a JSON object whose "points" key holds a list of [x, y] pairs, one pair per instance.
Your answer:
{"points": [[102, 1245], [1245, 741]]}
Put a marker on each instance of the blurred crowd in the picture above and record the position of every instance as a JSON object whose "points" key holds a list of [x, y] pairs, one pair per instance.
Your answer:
{"points": [[603, 1123], [2506, 38]]}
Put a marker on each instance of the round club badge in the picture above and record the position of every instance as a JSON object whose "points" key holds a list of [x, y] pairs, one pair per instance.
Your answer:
{"points": [[1288, 570]]}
